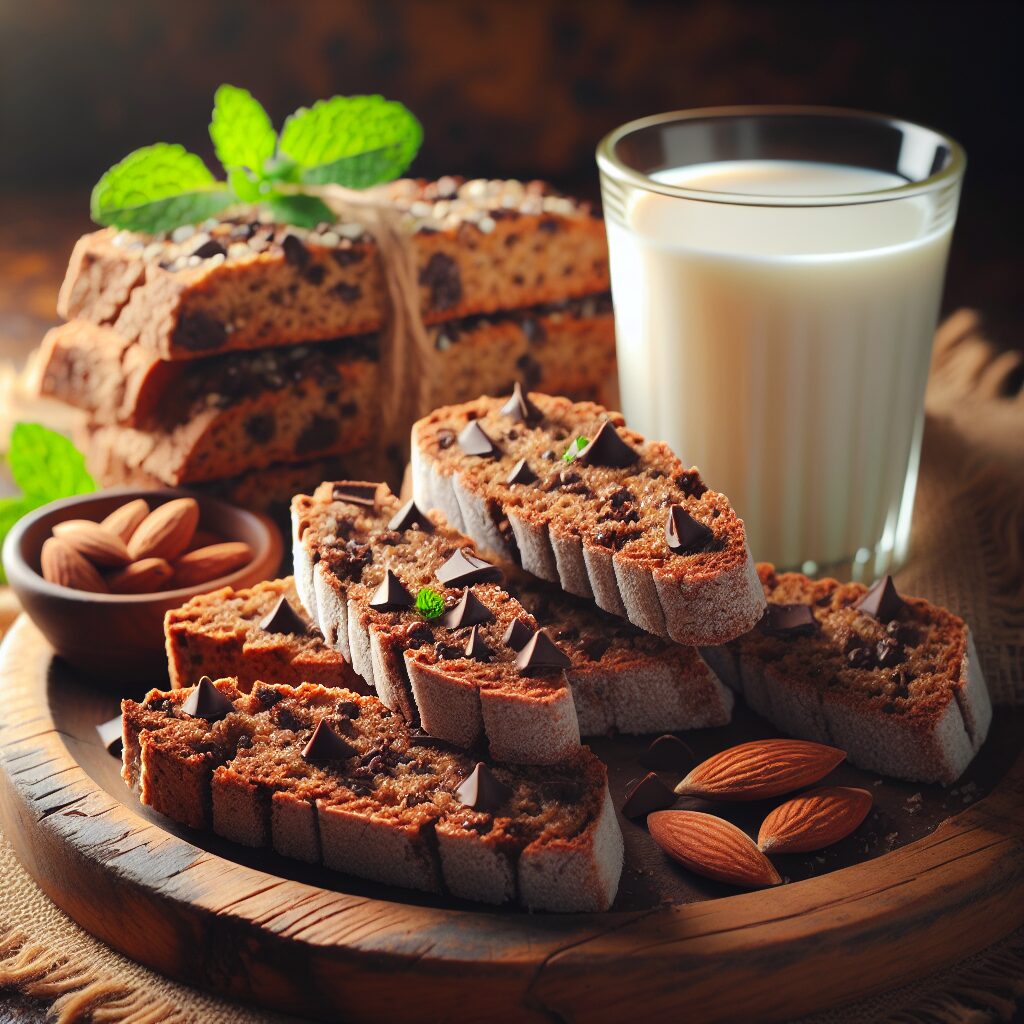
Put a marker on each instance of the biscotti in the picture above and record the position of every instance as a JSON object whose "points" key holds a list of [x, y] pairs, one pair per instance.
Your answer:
{"points": [[329, 776], [262, 632], [894, 681], [238, 283], [471, 665], [567, 492]]}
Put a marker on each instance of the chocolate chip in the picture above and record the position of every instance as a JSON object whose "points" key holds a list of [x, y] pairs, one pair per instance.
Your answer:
{"points": [[540, 652], [206, 701], [785, 620], [356, 493], [347, 293], [210, 248], [889, 652], [463, 569], [391, 596], [517, 635], [326, 745], [442, 278], [346, 257], [283, 618], [111, 737], [469, 611], [860, 657], [409, 516], [623, 496], [473, 440], [643, 796], [901, 631], [668, 753], [419, 738], [519, 408], [449, 652], [521, 474], [315, 274], [684, 534], [445, 439], [295, 252], [690, 484], [348, 708], [199, 332], [882, 602], [606, 448], [548, 225], [476, 648], [595, 647], [267, 695], [483, 791]]}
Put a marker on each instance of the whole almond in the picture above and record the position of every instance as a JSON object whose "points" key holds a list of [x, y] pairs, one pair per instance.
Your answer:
{"points": [[814, 820], [142, 577], [93, 541], [210, 563], [712, 847], [166, 531], [760, 769], [124, 520], [63, 565]]}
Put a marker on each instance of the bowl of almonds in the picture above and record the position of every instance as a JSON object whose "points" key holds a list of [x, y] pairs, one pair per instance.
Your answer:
{"points": [[96, 573]]}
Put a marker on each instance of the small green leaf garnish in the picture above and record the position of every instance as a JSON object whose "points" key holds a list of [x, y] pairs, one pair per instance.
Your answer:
{"points": [[355, 141], [429, 603], [575, 448], [46, 466]]}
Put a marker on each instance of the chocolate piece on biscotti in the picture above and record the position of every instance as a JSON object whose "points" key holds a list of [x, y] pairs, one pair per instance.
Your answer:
{"points": [[482, 791], [206, 701], [409, 516], [326, 745], [283, 618], [464, 569], [469, 611], [391, 595], [882, 601]]}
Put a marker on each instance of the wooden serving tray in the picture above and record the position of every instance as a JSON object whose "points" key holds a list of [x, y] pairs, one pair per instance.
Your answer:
{"points": [[931, 877]]}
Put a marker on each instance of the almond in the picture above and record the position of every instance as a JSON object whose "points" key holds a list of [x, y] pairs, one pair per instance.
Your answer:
{"points": [[93, 541], [166, 531], [63, 565], [142, 577], [124, 520], [210, 563], [712, 847], [814, 820], [760, 769]]}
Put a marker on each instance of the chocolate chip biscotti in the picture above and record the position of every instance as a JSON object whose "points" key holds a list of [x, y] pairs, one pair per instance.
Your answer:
{"points": [[239, 283], [569, 493], [894, 681], [329, 776]]}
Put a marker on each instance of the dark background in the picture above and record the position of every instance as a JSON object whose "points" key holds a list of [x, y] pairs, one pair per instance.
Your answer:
{"points": [[503, 88]]}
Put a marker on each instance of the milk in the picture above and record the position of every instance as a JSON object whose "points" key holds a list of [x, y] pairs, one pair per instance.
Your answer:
{"points": [[783, 350]]}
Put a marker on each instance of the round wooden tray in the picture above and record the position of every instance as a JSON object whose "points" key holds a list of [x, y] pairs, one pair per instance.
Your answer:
{"points": [[254, 926]]}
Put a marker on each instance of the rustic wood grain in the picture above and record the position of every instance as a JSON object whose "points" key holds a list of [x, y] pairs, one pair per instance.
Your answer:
{"points": [[310, 950]]}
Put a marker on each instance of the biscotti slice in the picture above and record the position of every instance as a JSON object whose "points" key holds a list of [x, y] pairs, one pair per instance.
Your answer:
{"points": [[327, 775], [567, 492], [361, 561], [894, 681], [262, 632], [568, 347], [238, 283], [623, 679]]}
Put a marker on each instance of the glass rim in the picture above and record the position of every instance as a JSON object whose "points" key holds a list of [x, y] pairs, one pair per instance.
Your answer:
{"points": [[610, 163]]}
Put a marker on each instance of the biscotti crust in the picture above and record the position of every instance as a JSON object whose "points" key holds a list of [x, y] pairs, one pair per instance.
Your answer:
{"points": [[568, 526]]}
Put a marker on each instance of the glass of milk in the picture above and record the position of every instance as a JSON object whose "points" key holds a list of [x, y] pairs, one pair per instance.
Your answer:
{"points": [[776, 274]]}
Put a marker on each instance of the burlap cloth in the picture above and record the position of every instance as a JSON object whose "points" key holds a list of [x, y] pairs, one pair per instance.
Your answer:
{"points": [[968, 553]]}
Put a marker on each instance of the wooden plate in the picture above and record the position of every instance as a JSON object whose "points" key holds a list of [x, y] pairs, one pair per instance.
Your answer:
{"points": [[254, 926]]}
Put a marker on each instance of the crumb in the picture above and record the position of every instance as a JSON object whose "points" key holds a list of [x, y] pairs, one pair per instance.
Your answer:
{"points": [[913, 804], [890, 840]]}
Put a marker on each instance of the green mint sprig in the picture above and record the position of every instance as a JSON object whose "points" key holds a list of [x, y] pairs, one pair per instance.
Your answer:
{"points": [[429, 603], [355, 141], [46, 466], [575, 448]]}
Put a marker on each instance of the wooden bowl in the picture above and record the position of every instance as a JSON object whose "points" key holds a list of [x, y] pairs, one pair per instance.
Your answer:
{"points": [[120, 637]]}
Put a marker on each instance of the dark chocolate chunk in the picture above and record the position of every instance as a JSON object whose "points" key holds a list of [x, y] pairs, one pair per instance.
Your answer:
{"points": [[321, 432], [295, 252], [283, 618], [476, 648], [684, 534], [668, 753], [267, 695], [326, 745], [646, 795], [521, 473], [483, 791], [517, 635], [356, 493], [474, 441], [541, 652], [315, 274], [111, 735], [882, 602], [419, 738], [441, 276], [786, 620], [391, 595], [606, 448], [860, 657], [199, 332], [889, 652], [409, 516], [519, 408], [348, 708], [470, 611], [464, 569], [261, 427], [206, 701], [210, 248], [445, 439], [346, 257], [595, 647], [347, 293]]}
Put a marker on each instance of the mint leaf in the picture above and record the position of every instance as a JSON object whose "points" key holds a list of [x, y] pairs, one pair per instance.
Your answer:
{"points": [[429, 603], [46, 465], [301, 210], [574, 449], [356, 141], [158, 188], [242, 133], [11, 510]]}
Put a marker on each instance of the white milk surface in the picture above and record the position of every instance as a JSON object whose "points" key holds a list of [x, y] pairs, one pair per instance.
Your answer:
{"points": [[783, 350]]}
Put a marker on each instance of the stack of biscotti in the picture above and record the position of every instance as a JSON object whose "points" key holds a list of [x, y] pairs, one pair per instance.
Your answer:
{"points": [[329, 776], [212, 354]]}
